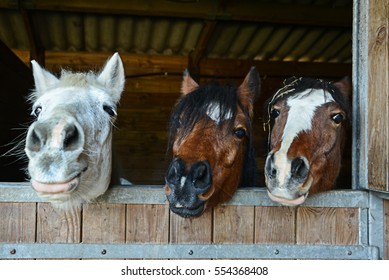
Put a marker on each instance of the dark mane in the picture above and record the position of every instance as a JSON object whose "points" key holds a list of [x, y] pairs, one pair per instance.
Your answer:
{"points": [[294, 85], [192, 108]]}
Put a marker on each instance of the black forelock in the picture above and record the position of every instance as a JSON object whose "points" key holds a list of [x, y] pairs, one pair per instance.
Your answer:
{"points": [[193, 107]]}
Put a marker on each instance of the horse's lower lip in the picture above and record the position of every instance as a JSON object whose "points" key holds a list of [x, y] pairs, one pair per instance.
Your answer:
{"points": [[288, 202], [54, 188], [187, 212]]}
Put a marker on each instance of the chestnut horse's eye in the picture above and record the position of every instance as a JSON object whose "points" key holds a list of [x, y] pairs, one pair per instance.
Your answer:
{"points": [[37, 111], [274, 113], [240, 132], [337, 118], [109, 110]]}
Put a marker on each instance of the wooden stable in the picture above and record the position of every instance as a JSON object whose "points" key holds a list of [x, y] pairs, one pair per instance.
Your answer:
{"points": [[334, 225], [135, 222]]}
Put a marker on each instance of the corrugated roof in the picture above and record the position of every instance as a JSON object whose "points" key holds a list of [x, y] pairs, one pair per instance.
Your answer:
{"points": [[234, 36]]}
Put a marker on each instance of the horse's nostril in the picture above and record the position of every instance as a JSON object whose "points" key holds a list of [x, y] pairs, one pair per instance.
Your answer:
{"points": [[175, 172], [36, 139], [201, 176], [299, 169], [271, 171], [72, 137]]}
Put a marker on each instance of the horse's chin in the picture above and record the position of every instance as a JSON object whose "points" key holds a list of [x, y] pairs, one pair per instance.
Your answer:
{"points": [[188, 212], [288, 202], [56, 187]]}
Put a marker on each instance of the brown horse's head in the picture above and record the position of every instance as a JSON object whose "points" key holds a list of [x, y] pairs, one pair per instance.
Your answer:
{"points": [[210, 137], [308, 120]]}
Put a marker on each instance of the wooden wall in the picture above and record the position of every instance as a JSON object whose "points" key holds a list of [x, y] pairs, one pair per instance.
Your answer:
{"points": [[119, 223], [107, 223]]}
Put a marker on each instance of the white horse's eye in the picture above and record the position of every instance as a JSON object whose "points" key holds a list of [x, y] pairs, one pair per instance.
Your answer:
{"points": [[111, 111], [37, 111]]}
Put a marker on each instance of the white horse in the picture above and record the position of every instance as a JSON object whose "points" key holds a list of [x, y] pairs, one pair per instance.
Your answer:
{"points": [[69, 144]]}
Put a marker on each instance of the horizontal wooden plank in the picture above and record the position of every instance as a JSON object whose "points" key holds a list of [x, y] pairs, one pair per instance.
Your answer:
{"points": [[146, 194], [236, 68], [137, 65], [248, 11]]}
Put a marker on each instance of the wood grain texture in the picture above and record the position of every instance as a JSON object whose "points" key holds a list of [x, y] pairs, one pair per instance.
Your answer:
{"points": [[104, 223], [233, 224], [58, 227], [17, 222], [275, 225], [191, 230], [318, 225], [386, 229], [378, 105], [147, 224]]}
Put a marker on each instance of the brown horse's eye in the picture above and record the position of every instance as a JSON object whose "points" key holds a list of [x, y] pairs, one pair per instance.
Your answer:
{"points": [[274, 113], [240, 132], [337, 118]]}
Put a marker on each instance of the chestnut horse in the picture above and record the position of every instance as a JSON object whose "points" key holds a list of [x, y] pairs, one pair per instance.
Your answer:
{"points": [[210, 137], [308, 125]]}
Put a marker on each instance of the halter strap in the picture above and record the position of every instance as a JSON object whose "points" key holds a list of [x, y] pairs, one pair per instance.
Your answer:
{"points": [[287, 88]]}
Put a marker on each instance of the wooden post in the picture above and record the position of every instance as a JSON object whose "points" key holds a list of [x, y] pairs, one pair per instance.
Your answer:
{"points": [[378, 94]]}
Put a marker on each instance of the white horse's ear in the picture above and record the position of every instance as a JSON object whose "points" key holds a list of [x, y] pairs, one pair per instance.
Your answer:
{"points": [[112, 76], [43, 79]]}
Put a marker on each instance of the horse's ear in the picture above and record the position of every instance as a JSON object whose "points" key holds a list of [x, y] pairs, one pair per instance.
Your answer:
{"points": [[344, 85], [112, 76], [249, 90], [43, 79], [188, 84]]}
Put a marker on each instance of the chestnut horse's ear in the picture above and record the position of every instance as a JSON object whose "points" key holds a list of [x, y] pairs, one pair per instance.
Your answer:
{"points": [[344, 85], [249, 90], [188, 84]]}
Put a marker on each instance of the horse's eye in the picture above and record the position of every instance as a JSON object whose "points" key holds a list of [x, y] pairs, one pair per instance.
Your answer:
{"points": [[274, 113], [37, 111], [109, 110], [337, 118], [240, 132]]}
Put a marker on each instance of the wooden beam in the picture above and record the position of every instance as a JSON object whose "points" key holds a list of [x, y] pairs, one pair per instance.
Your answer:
{"points": [[237, 68], [246, 10], [199, 51], [141, 64], [36, 49]]}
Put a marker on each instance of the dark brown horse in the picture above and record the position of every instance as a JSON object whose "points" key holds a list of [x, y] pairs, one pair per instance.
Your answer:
{"points": [[210, 138], [308, 120]]}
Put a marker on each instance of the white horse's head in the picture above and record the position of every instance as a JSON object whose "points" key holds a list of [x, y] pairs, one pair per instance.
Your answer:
{"points": [[69, 144]]}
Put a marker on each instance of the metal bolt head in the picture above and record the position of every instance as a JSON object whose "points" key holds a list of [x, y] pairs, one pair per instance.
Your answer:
{"points": [[12, 252], [190, 252], [103, 252]]}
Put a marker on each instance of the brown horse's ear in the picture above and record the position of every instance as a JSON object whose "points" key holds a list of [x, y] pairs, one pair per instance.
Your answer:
{"points": [[188, 84], [249, 90], [344, 85]]}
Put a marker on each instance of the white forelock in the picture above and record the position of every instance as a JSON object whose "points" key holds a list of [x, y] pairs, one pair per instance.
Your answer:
{"points": [[213, 112]]}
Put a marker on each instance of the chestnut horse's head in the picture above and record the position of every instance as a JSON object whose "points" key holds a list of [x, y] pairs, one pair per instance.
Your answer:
{"points": [[210, 137], [308, 119]]}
